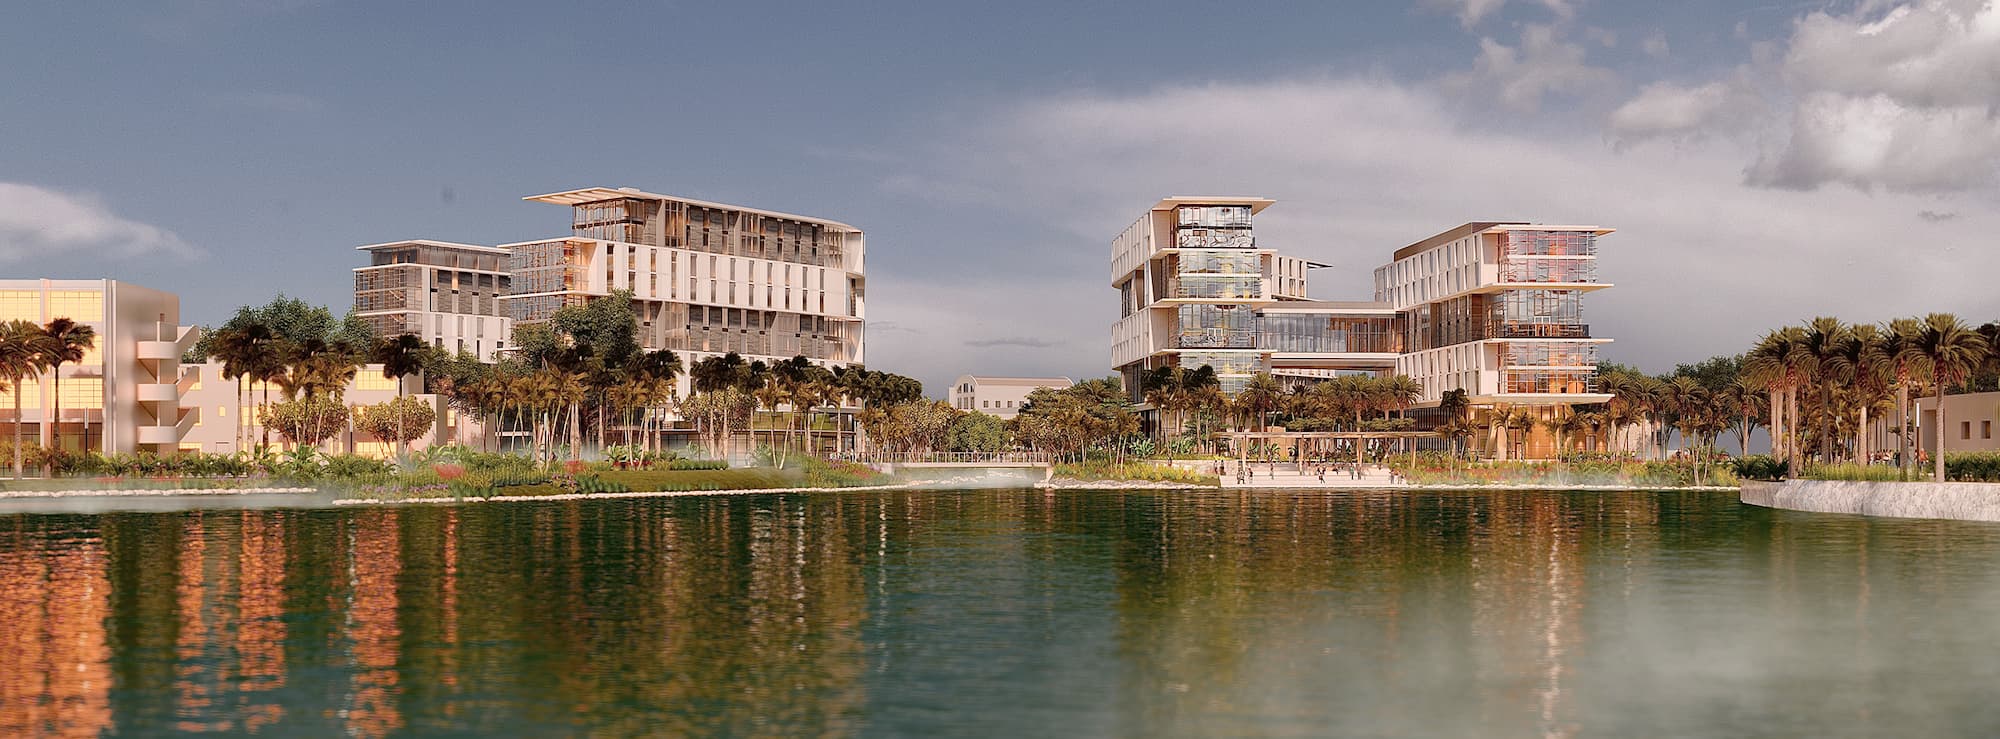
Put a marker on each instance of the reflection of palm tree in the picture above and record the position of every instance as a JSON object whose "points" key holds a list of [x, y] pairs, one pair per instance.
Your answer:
{"points": [[67, 341], [24, 353]]}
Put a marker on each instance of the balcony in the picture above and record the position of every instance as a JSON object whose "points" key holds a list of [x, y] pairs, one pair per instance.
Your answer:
{"points": [[159, 350], [1540, 331], [1222, 239], [1216, 288], [159, 393], [1215, 339], [169, 434]]}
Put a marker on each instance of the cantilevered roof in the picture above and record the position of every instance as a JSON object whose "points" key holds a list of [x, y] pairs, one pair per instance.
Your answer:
{"points": [[1483, 226], [1327, 306], [1257, 205], [1450, 236], [429, 242], [599, 194]]}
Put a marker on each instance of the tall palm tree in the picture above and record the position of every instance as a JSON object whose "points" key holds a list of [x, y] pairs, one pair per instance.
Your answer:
{"points": [[1947, 351], [67, 341], [1774, 365], [24, 354], [1899, 341], [1824, 338], [1745, 403], [1861, 363], [400, 357], [1401, 392], [1262, 395]]}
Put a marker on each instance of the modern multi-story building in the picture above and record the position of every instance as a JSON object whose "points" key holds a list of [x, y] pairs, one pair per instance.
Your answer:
{"points": [[444, 293], [1195, 288], [1494, 309], [706, 278], [999, 396], [126, 394]]}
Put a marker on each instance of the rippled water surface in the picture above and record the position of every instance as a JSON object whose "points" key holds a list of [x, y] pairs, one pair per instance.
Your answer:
{"points": [[1005, 613]]}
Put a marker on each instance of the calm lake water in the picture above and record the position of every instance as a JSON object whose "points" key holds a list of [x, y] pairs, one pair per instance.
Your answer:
{"points": [[1005, 613]]}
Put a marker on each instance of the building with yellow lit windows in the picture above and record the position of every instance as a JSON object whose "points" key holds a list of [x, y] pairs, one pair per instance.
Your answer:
{"points": [[221, 415], [125, 396]]}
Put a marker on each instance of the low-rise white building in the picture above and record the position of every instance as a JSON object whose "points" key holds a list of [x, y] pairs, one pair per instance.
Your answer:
{"points": [[222, 412], [999, 396], [126, 393]]}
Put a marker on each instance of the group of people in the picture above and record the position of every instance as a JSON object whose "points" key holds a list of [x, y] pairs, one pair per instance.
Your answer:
{"points": [[1247, 471]]}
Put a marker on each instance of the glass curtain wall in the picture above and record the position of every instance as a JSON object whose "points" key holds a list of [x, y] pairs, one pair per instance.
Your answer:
{"points": [[1307, 332], [1217, 327]]}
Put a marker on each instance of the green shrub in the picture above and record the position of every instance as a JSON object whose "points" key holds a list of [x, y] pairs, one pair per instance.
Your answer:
{"points": [[1762, 467], [698, 464], [1972, 466]]}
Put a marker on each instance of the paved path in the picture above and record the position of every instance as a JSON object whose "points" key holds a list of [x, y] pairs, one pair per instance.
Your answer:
{"points": [[1373, 477]]}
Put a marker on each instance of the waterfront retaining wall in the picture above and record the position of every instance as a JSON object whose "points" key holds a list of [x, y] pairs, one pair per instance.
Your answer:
{"points": [[1964, 501]]}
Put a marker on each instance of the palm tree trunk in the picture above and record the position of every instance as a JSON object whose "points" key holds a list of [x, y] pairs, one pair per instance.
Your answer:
{"points": [[1903, 427], [1861, 437], [1937, 457], [17, 428], [55, 428]]}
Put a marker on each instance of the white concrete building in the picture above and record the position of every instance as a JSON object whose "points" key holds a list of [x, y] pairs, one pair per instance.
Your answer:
{"points": [[126, 394], [222, 412], [999, 396], [445, 293], [706, 278]]}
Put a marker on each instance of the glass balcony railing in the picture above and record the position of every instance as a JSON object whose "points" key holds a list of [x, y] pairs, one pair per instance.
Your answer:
{"points": [[1549, 270], [1540, 331], [1215, 339], [1203, 238], [1220, 288]]}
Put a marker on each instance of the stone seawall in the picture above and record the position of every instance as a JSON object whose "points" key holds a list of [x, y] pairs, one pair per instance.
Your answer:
{"points": [[1964, 501]]}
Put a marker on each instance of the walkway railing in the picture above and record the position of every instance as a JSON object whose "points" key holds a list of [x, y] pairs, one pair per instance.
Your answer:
{"points": [[958, 457]]}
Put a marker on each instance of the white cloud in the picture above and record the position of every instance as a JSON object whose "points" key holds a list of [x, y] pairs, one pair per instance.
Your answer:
{"points": [[1664, 109], [1877, 141], [1361, 167], [1471, 12], [1902, 98], [1544, 62], [36, 220]]}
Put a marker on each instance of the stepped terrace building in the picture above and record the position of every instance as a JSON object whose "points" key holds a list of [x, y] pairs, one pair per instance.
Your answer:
{"points": [[1196, 288], [447, 294], [1492, 308]]}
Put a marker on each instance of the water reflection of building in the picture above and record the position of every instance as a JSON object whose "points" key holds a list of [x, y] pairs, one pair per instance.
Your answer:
{"points": [[55, 676]]}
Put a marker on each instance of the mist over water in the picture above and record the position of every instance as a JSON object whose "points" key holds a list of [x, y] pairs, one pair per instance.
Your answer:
{"points": [[1004, 612]]}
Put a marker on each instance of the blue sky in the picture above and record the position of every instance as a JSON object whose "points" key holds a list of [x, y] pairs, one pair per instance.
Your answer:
{"points": [[233, 149]]}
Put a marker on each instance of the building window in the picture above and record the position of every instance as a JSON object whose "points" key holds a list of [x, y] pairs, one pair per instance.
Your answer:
{"points": [[1985, 429], [82, 306], [21, 305], [1964, 429]]}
